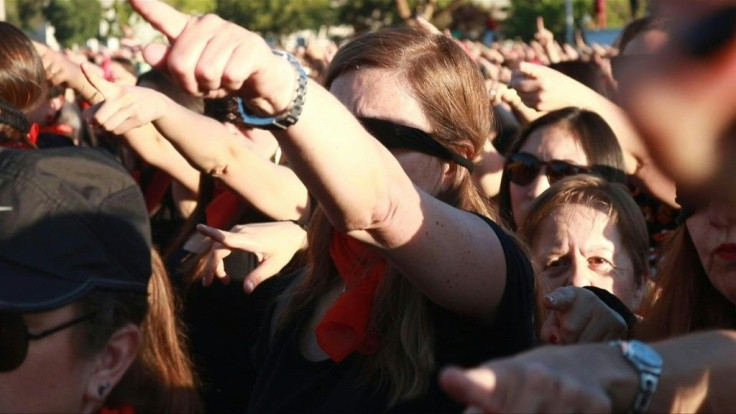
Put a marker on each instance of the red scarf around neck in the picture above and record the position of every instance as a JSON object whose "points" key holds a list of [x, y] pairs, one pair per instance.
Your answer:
{"points": [[344, 328]]}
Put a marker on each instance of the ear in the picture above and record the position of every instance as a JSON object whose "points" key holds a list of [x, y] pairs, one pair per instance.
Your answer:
{"points": [[110, 364]]}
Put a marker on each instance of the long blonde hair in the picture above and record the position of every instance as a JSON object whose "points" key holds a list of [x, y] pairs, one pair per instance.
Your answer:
{"points": [[450, 89]]}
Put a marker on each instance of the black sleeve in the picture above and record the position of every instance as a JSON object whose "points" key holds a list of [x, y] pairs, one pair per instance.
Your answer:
{"points": [[515, 316]]}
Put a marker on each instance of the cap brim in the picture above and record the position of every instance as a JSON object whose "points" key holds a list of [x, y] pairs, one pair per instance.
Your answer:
{"points": [[28, 290]]}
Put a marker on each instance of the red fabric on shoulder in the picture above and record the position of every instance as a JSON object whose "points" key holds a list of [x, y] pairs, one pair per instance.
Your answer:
{"points": [[344, 328]]}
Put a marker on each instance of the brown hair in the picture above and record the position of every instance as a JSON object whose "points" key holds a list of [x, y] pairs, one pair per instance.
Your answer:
{"points": [[450, 90], [593, 134], [595, 192], [161, 378], [612, 199], [22, 82], [683, 299]]}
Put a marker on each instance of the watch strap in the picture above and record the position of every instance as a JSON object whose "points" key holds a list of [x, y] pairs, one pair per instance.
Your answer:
{"points": [[291, 115]]}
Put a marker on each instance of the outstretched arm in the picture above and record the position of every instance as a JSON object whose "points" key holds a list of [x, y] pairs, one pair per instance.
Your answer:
{"points": [[368, 196], [206, 143], [696, 377], [546, 89]]}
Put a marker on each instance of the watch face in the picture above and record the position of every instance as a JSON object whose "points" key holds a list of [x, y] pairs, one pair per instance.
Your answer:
{"points": [[645, 354]]}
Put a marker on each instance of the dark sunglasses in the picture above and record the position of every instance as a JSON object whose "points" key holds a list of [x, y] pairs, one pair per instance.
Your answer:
{"points": [[523, 168], [14, 338]]}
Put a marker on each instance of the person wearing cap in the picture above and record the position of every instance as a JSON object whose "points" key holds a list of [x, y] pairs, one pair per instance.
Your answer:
{"points": [[84, 325]]}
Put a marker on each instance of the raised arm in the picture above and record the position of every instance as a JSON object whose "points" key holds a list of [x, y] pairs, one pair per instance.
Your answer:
{"points": [[360, 185], [206, 143], [145, 141], [546, 89]]}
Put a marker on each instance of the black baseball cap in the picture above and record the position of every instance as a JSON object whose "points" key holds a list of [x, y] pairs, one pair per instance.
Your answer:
{"points": [[71, 220]]}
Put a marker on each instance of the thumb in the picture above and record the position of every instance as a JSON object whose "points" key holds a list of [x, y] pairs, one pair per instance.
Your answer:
{"points": [[265, 270], [530, 70], [156, 55], [105, 88]]}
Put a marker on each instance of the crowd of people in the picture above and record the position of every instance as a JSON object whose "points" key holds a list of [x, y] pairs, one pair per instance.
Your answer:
{"points": [[405, 223]]}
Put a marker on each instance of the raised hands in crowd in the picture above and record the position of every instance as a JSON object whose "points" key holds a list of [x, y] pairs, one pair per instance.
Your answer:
{"points": [[404, 216]]}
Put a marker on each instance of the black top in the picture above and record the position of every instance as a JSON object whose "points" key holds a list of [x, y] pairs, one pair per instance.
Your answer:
{"points": [[290, 383]]}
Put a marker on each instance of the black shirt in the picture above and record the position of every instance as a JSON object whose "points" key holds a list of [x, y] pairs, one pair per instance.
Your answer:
{"points": [[288, 382]]}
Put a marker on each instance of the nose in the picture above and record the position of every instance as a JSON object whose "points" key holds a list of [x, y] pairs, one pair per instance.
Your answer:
{"points": [[580, 274], [538, 186]]}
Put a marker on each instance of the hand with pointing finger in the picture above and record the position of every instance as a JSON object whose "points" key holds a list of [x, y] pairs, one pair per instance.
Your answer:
{"points": [[577, 315], [123, 107], [211, 57], [274, 244]]}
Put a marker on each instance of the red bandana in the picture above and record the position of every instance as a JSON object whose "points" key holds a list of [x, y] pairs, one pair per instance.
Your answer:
{"points": [[222, 209], [125, 409], [32, 137], [344, 328]]}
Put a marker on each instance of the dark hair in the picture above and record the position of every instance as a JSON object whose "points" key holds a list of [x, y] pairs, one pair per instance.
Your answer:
{"points": [[586, 72], [23, 82], [163, 84], [637, 27], [161, 378], [592, 133]]}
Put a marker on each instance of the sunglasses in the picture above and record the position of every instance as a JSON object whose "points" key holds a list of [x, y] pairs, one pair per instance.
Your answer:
{"points": [[523, 168], [14, 338]]}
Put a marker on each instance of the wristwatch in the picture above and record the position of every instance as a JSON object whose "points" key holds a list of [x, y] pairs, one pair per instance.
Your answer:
{"points": [[649, 365], [291, 115]]}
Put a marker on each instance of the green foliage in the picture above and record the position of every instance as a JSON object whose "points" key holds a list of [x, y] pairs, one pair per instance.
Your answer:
{"points": [[523, 13], [277, 16], [75, 20], [25, 14]]}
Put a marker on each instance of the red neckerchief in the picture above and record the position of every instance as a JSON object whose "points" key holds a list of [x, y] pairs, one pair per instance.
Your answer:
{"points": [[125, 409], [222, 209], [32, 137], [58, 129], [344, 328]]}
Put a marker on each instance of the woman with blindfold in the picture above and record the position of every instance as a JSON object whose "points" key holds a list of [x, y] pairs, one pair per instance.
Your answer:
{"points": [[406, 273], [562, 143], [22, 88]]}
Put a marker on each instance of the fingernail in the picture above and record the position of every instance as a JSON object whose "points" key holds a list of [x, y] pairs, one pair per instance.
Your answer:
{"points": [[249, 286], [549, 299], [553, 338]]}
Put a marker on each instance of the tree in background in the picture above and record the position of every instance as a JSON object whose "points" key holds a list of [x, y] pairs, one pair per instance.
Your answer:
{"points": [[75, 21], [523, 14], [276, 17]]}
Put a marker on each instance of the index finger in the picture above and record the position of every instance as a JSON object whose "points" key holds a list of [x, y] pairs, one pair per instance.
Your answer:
{"points": [[540, 23], [471, 387], [164, 18], [560, 299]]}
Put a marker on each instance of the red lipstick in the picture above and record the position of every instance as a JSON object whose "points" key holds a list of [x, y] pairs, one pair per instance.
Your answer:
{"points": [[727, 252]]}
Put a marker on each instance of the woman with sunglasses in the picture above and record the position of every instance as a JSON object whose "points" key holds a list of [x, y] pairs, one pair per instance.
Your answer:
{"points": [[87, 317], [562, 143], [405, 271]]}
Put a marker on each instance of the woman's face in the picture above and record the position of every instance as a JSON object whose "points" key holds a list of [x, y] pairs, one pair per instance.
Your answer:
{"points": [[713, 231], [378, 93], [579, 245], [546, 144], [54, 376]]}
